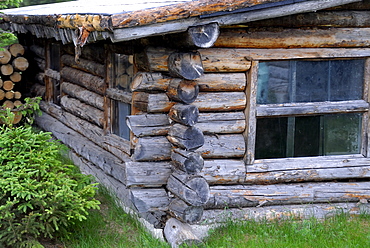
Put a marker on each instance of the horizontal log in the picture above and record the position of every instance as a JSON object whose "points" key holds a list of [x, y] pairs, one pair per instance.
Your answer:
{"points": [[83, 95], [147, 174], [91, 52], [213, 60], [285, 194], [216, 172], [192, 189], [150, 81], [293, 38], [104, 160], [116, 145], [156, 148], [83, 110], [148, 124], [189, 162], [84, 65], [312, 108], [221, 123], [272, 213], [223, 146], [89, 81], [184, 212], [188, 138], [179, 234], [119, 95], [220, 101]]}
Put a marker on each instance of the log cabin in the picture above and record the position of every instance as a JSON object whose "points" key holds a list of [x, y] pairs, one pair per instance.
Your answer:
{"points": [[193, 112]]}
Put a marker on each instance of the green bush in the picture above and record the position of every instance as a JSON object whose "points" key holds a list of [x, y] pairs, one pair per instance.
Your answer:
{"points": [[39, 195]]}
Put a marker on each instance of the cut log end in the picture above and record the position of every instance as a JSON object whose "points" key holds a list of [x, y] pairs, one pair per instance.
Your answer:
{"points": [[178, 233], [185, 65], [204, 36]]}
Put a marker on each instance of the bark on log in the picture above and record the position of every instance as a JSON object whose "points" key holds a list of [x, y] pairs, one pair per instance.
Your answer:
{"points": [[286, 194], [189, 138], [182, 90], [7, 69], [150, 81], [20, 64], [223, 146], [222, 82], [148, 124], [83, 110], [116, 145], [189, 162], [184, 212], [84, 65], [147, 174], [83, 95], [185, 65], [84, 79], [5, 56], [178, 233], [184, 114], [220, 101], [155, 148], [221, 123], [16, 50], [192, 189], [119, 95], [213, 60]]}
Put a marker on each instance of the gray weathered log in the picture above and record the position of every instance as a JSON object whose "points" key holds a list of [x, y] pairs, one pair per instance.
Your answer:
{"points": [[147, 174], [119, 95], [222, 82], [185, 65], [192, 189], [83, 95], [103, 159], [184, 91], [189, 138], [152, 103], [150, 81], [84, 65], [221, 123], [84, 79], [189, 162], [223, 146], [184, 212], [184, 114], [83, 110], [116, 145], [156, 148], [224, 171], [286, 194], [178, 233], [148, 124]]}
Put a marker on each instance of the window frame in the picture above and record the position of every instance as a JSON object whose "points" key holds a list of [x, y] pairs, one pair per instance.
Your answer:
{"points": [[52, 72], [254, 110]]}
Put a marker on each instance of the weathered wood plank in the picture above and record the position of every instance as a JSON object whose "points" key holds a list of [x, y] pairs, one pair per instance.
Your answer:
{"points": [[83, 95], [156, 148], [312, 108], [223, 146], [285, 194], [147, 174], [221, 123], [119, 95], [83, 110], [293, 38], [104, 160], [110, 142], [223, 171], [148, 124], [84, 79]]}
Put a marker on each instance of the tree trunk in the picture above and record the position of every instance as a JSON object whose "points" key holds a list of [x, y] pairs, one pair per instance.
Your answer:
{"points": [[183, 90], [189, 138], [184, 114]]}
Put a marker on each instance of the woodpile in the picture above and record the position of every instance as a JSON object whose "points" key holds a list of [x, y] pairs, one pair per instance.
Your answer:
{"points": [[12, 64]]}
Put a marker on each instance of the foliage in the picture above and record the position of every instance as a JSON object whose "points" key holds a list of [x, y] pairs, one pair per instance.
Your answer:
{"points": [[28, 110], [39, 195]]}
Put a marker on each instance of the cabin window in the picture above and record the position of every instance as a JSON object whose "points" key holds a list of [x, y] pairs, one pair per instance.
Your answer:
{"points": [[53, 71], [309, 108], [123, 74]]}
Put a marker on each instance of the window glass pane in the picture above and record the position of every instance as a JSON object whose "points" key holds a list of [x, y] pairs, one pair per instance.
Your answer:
{"points": [[334, 134], [271, 138], [309, 81], [119, 125], [342, 134], [124, 71]]}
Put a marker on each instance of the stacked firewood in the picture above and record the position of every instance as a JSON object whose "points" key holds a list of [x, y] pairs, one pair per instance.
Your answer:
{"points": [[12, 64]]}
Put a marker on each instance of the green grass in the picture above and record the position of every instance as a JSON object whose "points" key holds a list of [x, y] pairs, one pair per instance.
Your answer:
{"points": [[111, 227]]}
